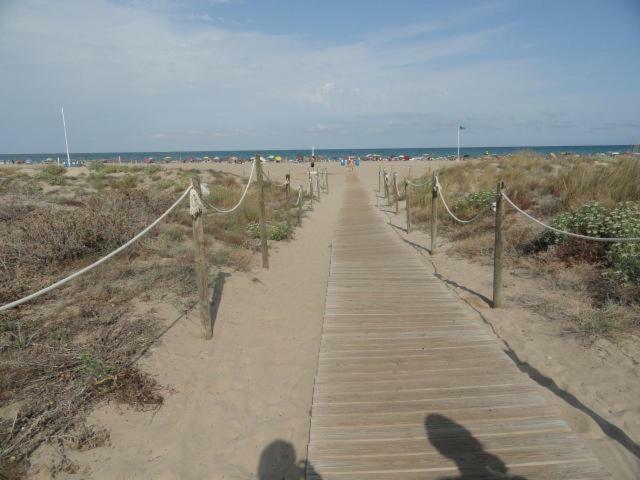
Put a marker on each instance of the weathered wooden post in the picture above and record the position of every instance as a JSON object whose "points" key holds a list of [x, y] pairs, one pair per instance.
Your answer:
{"points": [[498, 250], [263, 219], [202, 277], [326, 179], [317, 175], [287, 196], [300, 203], [386, 185], [395, 188], [434, 212], [379, 180], [407, 199], [311, 188]]}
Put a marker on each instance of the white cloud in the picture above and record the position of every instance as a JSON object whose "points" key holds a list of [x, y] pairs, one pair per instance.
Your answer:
{"points": [[133, 76]]}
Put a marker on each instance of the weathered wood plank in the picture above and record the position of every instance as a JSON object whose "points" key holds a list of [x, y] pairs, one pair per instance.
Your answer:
{"points": [[411, 385]]}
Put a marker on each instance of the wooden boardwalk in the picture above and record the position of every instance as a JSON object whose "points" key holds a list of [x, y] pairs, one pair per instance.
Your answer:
{"points": [[411, 385]]}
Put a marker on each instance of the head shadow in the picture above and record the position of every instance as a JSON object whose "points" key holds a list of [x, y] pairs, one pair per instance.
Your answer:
{"points": [[455, 442], [278, 462]]}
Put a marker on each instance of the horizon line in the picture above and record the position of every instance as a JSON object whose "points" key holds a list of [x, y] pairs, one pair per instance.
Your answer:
{"points": [[321, 149]]}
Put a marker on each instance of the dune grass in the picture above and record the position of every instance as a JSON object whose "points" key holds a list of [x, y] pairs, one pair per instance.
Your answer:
{"points": [[596, 196], [62, 353]]}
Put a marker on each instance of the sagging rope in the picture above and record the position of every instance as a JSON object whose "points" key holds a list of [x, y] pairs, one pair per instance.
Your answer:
{"points": [[563, 232], [244, 194], [65, 280], [439, 190]]}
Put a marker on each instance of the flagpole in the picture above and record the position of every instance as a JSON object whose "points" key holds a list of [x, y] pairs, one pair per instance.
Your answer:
{"points": [[458, 142], [66, 142]]}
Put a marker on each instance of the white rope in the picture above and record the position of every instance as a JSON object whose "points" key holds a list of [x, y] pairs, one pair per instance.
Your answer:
{"points": [[98, 262], [438, 188], [299, 196], [570, 234], [395, 184], [195, 203], [244, 194]]}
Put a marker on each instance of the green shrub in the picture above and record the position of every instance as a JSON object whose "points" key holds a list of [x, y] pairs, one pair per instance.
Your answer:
{"points": [[596, 220], [477, 199], [52, 174], [275, 231]]}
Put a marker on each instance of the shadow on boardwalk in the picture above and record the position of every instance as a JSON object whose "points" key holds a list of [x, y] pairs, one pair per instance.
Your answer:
{"points": [[278, 462], [455, 442]]}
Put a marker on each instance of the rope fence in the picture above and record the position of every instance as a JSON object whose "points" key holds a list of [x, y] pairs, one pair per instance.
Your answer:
{"points": [[501, 198], [197, 208], [88, 268]]}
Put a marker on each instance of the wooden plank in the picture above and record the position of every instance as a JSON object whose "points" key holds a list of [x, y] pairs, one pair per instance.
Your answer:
{"points": [[412, 385]]}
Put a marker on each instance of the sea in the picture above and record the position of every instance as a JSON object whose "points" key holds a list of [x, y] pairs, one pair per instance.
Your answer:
{"points": [[134, 157]]}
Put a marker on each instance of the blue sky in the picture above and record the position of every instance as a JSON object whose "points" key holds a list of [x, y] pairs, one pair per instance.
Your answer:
{"points": [[247, 74]]}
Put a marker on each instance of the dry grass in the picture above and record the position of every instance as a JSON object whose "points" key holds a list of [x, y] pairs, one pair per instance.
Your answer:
{"points": [[61, 354], [545, 188]]}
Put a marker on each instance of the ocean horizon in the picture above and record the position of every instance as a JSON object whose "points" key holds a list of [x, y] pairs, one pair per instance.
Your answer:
{"points": [[333, 153]]}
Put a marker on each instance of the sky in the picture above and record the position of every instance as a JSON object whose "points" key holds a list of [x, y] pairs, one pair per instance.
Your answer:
{"points": [[161, 75]]}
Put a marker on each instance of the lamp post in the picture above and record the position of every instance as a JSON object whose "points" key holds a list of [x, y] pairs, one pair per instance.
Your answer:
{"points": [[460, 127]]}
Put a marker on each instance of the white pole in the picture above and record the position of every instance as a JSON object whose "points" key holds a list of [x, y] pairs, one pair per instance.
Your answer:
{"points": [[66, 142], [458, 142], [58, 160], [313, 150], [119, 160]]}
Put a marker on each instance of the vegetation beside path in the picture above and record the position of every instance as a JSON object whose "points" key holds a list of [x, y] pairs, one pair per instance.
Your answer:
{"points": [[596, 196], [64, 352]]}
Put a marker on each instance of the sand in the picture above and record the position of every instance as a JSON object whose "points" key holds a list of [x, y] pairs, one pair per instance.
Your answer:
{"points": [[229, 399]]}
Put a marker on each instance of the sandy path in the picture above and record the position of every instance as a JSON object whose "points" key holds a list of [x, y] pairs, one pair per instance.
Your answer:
{"points": [[252, 385]]}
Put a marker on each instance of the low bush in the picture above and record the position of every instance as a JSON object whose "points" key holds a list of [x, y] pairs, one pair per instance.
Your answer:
{"points": [[275, 231], [596, 220], [52, 174]]}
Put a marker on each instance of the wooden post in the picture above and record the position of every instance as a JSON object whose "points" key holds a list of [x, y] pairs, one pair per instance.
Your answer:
{"points": [[498, 249], [326, 179], [287, 195], [386, 185], [202, 277], [395, 188], [407, 199], [311, 188], [379, 180], [318, 184], [300, 203], [434, 213], [263, 219]]}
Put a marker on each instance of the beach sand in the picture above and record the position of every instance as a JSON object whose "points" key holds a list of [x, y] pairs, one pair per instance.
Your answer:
{"points": [[228, 399]]}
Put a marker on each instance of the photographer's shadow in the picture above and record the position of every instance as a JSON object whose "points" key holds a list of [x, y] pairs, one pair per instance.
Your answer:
{"points": [[455, 442], [278, 462]]}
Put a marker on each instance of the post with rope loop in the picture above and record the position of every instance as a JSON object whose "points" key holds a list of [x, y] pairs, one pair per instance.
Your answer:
{"points": [[287, 196], [379, 180], [395, 188], [199, 244], [263, 220], [311, 188], [498, 248], [407, 199], [434, 212]]}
